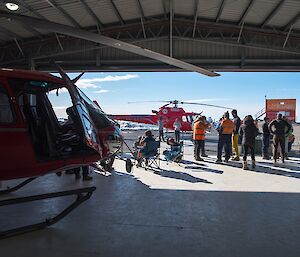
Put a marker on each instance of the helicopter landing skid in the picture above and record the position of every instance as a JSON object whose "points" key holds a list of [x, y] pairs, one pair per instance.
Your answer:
{"points": [[81, 194], [15, 188]]}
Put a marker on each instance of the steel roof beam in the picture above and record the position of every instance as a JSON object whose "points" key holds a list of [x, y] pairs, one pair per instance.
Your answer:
{"points": [[27, 7], [10, 33], [272, 13], [63, 12], [91, 13], [195, 16], [220, 10], [292, 21], [116, 11], [247, 10], [165, 8], [142, 17], [141, 9], [30, 9]]}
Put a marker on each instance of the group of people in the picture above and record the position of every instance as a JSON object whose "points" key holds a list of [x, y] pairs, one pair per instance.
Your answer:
{"points": [[233, 131], [176, 126]]}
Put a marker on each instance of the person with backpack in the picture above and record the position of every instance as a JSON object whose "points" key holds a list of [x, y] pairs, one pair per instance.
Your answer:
{"points": [[248, 132]]}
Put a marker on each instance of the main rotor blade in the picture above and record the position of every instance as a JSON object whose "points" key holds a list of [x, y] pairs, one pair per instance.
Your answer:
{"points": [[210, 105], [139, 102], [97, 38]]}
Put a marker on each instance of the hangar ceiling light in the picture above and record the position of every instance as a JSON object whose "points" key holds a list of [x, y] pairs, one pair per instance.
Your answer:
{"points": [[11, 6]]}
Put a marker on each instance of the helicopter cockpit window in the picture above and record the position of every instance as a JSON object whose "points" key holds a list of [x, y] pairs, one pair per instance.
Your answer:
{"points": [[6, 114], [184, 119]]}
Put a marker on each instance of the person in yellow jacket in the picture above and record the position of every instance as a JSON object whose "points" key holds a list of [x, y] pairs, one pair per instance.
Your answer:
{"points": [[225, 133], [200, 125]]}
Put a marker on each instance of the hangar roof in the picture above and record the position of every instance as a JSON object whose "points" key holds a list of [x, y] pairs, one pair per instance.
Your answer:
{"points": [[217, 34]]}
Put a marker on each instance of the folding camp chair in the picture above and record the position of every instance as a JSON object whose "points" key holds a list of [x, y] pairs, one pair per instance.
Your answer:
{"points": [[151, 159], [174, 154]]}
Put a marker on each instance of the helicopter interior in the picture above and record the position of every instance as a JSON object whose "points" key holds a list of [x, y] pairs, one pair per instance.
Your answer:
{"points": [[51, 137]]}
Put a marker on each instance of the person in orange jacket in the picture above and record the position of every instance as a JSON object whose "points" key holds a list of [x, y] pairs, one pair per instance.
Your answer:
{"points": [[225, 133], [200, 125]]}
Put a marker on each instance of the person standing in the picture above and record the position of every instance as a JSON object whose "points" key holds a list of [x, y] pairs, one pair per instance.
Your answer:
{"points": [[248, 132], [235, 135], [287, 135], [85, 173], [161, 129], [279, 128], [225, 134], [266, 139], [200, 126], [177, 126]]}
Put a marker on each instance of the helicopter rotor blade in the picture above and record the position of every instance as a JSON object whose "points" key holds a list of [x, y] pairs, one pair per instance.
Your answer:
{"points": [[138, 102], [62, 73], [77, 78], [209, 105], [97, 38]]}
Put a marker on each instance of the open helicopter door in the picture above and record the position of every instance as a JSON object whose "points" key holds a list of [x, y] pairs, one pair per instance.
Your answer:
{"points": [[81, 111], [89, 130]]}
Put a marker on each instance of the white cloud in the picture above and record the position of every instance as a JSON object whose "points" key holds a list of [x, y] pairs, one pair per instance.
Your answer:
{"points": [[91, 83], [101, 91]]}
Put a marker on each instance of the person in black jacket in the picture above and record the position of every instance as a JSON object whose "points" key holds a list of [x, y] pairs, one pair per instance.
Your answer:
{"points": [[266, 139], [279, 128], [248, 131]]}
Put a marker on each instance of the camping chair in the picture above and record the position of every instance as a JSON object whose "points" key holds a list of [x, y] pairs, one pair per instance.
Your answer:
{"points": [[151, 159], [174, 155]]}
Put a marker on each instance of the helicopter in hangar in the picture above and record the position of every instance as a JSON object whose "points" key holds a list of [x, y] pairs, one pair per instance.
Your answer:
{"points": [[34, 142], [168, 113]]}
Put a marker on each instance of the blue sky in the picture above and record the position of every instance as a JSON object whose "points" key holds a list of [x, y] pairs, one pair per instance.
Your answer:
{"points": [[243, 91]]}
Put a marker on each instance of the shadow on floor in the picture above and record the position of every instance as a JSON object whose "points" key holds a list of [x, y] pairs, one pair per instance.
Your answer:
{"points": [[204, 169], [181, 176]]}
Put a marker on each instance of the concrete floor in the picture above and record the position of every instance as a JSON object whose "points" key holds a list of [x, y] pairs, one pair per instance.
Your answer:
{"points": [[196, 209]]}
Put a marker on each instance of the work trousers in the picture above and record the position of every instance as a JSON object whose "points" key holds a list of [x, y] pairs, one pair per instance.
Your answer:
{"points": [[224, 141], [235, 141], [265, 144], [199, 147], [247, 149], [278, 140], [161, 135], [286, 146], [85, 171], [177, 135]]}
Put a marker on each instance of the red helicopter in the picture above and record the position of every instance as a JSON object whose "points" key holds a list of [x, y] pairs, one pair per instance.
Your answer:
{"points": [[34, 142], [168, 113]]}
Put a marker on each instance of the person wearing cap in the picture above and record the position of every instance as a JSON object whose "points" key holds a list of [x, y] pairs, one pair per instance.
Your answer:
{"points": [[225, 134], [279, 128], [200, 125], [235, 135]]}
